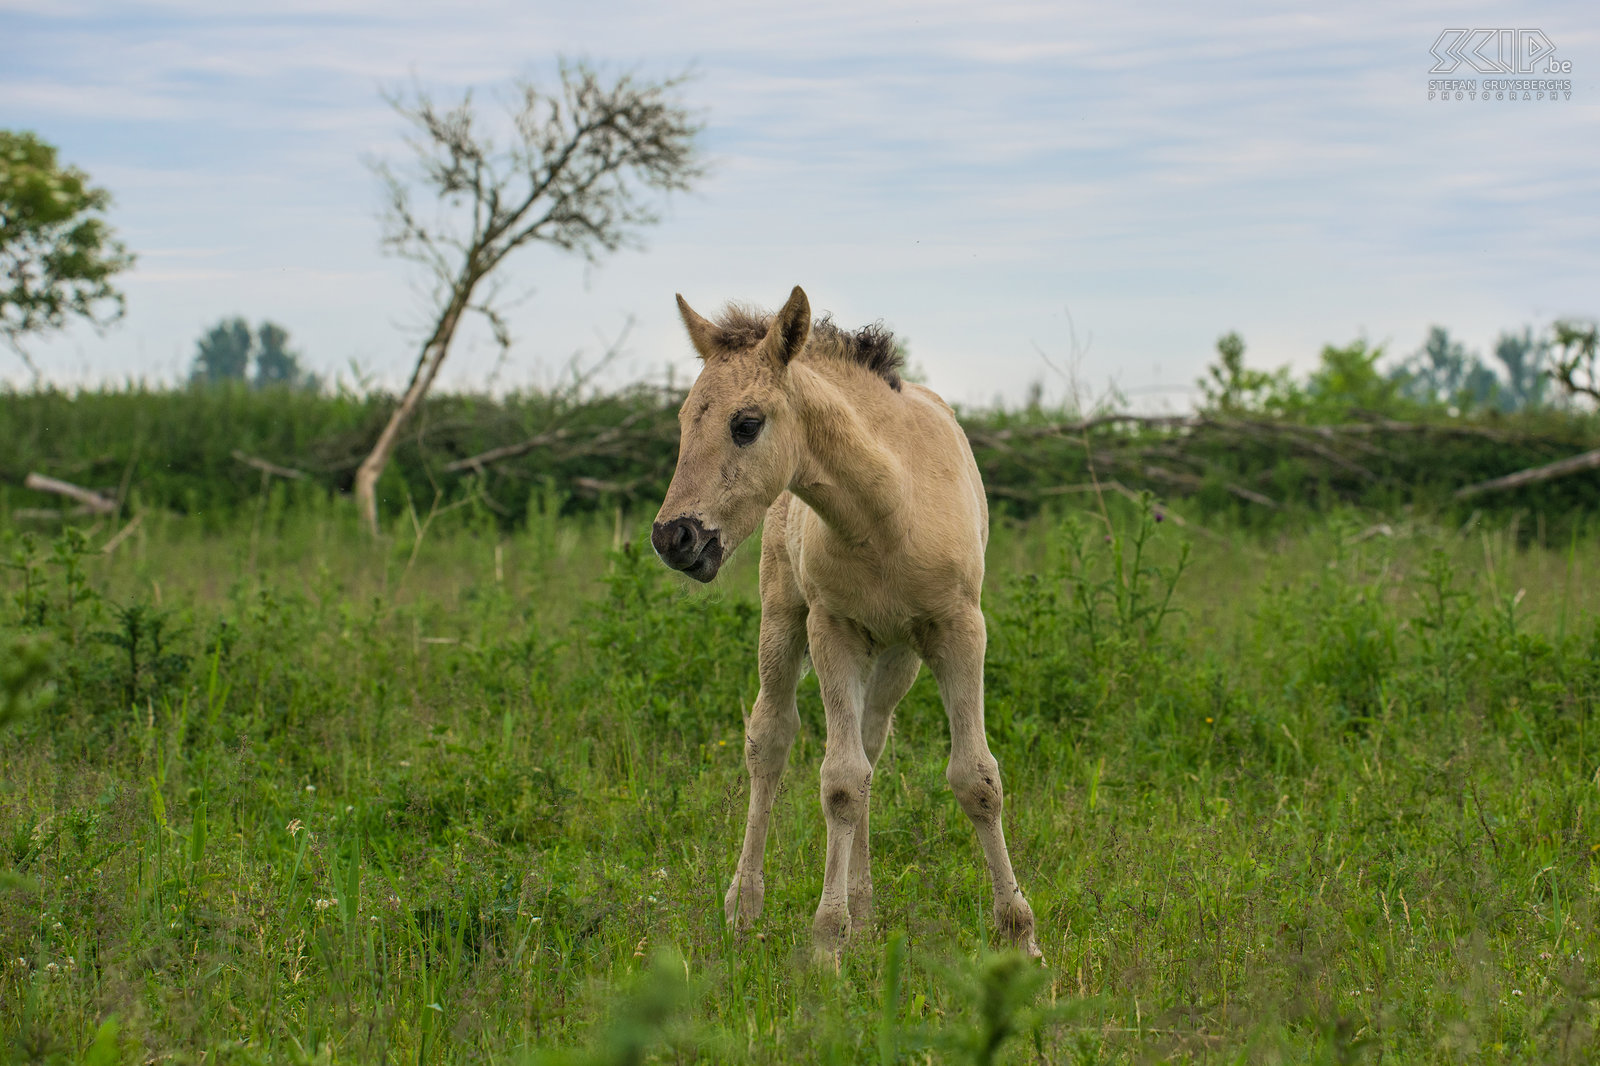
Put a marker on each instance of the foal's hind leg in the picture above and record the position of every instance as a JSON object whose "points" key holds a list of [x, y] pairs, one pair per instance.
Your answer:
{"points": [[955, 655], [774, 721], [891, 677]]}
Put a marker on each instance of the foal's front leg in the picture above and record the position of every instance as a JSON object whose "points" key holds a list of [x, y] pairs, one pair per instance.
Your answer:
{"points": [[774, 721], [955, 656], [842, 658]]}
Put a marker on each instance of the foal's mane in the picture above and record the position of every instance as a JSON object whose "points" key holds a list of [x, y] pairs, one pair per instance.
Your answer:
{"points": [[871, 346]]}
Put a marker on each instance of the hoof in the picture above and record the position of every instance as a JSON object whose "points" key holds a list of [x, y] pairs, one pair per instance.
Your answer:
{"points": [[826, 959], [1014, 920]]}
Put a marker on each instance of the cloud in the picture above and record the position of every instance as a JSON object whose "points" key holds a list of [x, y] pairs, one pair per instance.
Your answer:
{"points": [[962, 171]]}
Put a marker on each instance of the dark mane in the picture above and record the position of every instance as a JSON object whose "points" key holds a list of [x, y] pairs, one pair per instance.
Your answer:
{"points": [[742, 327], [871, 346]]}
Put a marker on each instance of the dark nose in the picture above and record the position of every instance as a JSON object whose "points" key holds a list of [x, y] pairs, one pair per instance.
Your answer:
{"points": [[678, 541]]}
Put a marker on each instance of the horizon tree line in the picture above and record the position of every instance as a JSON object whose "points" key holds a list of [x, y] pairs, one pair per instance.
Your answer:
{"points": [[228, 351]]}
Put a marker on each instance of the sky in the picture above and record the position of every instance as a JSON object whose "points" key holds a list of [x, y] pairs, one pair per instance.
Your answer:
{"points": [[1083, 196]]}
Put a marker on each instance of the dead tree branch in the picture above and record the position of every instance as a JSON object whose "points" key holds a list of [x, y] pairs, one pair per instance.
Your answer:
{"points": [[1577, 343], [269, 468], [508, 451], [573, 177], [92, 501]]}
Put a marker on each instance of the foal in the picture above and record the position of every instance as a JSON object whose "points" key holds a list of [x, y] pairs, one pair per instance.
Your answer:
{"points": [[876, 524]]}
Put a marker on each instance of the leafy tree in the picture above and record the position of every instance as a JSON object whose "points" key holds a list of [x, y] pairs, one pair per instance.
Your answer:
{"points": [[1527, 379], [276, 365], [57, 255], [229, 348], [224, 353], [1231, 388], [1347, 380], [1443, 372], [571, 178]]}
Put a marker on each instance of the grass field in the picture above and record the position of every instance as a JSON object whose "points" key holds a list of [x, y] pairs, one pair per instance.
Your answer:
{"points": [[272, 794]]}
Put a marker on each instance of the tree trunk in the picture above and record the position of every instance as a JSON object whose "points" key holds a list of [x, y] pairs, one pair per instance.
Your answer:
{"points": [[433, 353]]}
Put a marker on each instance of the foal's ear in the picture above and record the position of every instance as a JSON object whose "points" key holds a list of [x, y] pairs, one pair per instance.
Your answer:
{"points": [[705, 336], [791, 327]]}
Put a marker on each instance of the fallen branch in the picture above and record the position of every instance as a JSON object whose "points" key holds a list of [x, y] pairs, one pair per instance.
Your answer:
{"points": [[92, 501], [1251, 495], [603, 488], [995, 437], [48, 514], [272, 469], [604, 438], [1533, 475], [508, 451]]}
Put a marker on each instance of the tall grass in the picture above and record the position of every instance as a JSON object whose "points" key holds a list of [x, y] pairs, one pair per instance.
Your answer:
{"points": [[268, 793]]}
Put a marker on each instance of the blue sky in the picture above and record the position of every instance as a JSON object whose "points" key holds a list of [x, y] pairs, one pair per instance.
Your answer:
{"points": [[972, 176]]}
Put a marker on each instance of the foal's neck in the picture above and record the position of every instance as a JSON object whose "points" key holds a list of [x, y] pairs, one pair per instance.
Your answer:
{"points": [[847, 474]]}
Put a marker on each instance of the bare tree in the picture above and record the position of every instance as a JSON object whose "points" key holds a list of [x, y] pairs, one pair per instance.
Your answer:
{"points": [[574, 175], [1575, 369]]}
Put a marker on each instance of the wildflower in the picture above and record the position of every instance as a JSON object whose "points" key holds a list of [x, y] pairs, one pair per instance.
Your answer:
{"points": [[324, 904], [1516, 991], [311, 788], [294, 827], [1160, 517], [1209, 720], [405, 762], [661, 874]]}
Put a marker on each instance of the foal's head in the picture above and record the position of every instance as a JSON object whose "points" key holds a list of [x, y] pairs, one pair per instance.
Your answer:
{"points": [[740, 438]]}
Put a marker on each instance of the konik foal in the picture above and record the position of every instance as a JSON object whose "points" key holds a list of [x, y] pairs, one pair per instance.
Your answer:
{"points": [[876, 524]]}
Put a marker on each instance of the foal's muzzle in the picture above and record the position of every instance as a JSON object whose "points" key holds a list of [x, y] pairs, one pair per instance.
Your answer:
{"points": [[684, 544]]}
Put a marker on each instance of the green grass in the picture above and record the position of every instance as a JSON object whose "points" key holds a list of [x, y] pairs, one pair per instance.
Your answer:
{"points": [[273, 794]]}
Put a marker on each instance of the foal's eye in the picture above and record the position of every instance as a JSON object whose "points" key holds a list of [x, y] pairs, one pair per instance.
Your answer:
{"points": [[745, 428]]}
